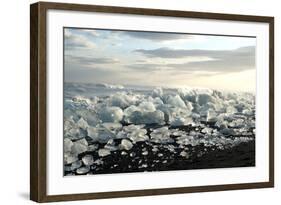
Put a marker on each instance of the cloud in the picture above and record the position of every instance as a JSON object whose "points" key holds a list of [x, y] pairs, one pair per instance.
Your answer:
{"points": [[157, 36], [76, 41], [88, 61], [165, 52], [145, 67], [221, 61]]}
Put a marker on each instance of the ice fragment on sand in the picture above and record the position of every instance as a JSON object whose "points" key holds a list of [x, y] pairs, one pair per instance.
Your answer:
{"points": [[88, 160], [83, 170], [76, 165], [69, 158], [79, 146], [103, 152], [126, 144], [184, 154], [67, 144]]}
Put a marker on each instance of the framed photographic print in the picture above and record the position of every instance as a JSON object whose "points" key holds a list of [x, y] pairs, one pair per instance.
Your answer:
{"points": [[134, 102]]}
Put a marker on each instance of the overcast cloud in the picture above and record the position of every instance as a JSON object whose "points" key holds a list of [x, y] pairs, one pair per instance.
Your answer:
{"points": [[153, 58]]}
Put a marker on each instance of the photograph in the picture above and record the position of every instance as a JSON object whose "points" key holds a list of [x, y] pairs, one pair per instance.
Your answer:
{"points": [[145, 101]]}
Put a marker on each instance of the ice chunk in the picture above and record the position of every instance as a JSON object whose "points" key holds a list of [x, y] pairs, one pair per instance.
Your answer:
{"points": [[82, 124], [100, 134], [75, 165], [176, 101], [110, 145], [147, 107], [179, 121], [88, 160], [103, 152], [83, 170], [79, 146], [139, 117], [184, 154], [157, 92], [67, 144], [211, 116], [231, 110], [126, 144], [122, 100], [110, 114], [112, 126], [69, 158], [204, 98]]}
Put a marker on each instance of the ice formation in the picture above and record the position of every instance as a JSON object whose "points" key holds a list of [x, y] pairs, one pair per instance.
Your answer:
{"points": [[170, 119]]}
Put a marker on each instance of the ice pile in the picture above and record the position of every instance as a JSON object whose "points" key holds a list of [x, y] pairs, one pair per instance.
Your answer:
{"points": [[169, 118]]}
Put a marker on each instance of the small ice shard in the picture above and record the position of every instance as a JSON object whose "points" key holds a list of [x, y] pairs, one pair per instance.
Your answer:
{"points": [[138, 135], [83, 170], [207, 130], [132, 154], [79, 146], [123, 153], [69, 158], [110, 114], [76, 165], [211, 116], [82, 123], [88, 160], [184, 154], [143, 166], [160, 155], [126, 144], [145, 153], [67, 144], [98, 162], [248, 112], [231, 110], [227, 131], [110, 145], [155, 149], [103, 152], [93, 147]]}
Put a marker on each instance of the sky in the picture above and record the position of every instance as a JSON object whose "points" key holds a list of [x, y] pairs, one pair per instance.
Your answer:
{"points": [[159, 59]]}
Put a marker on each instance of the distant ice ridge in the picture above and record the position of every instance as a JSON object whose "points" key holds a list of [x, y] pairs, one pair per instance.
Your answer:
{"points": [[157, 116], [110, 86]]}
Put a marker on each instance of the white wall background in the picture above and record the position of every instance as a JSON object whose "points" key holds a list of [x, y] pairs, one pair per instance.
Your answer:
{"points": [[14, 101]]}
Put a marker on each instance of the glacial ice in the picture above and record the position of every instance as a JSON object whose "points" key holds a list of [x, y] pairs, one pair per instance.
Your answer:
{"points": [[160, 118]]}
